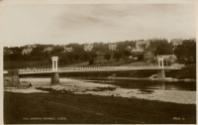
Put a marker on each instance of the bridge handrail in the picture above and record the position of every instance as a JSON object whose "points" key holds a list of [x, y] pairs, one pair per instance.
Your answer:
{"points": [[95, 68]]}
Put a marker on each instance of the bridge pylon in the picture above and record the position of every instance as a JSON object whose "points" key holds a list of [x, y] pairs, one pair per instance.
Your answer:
{"points": [[161, 65], [55, 74], [14, 77]]}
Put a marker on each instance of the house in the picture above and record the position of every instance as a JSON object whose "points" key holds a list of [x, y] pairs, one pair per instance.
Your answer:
{"points": [[140, 46], [48, 49], [176, 42], [112, 46], [27, 50], [67, 49], [88, 47], [8, 51]]}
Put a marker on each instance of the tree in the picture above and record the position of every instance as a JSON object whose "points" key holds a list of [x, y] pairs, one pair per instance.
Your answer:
{"points": [[92, 57], [160, 47], [186, 52], [117, 56], [107, 56]]}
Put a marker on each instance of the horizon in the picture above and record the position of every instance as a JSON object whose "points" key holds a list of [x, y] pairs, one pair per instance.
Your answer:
{"points": [[110, 42]]}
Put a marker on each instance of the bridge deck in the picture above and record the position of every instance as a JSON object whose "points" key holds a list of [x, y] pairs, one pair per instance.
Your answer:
{"points": [[93, 69]]}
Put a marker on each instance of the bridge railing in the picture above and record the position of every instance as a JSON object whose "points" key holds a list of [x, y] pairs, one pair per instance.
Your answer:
{"points": [[95, 68], [30, 70], [116, 67]]}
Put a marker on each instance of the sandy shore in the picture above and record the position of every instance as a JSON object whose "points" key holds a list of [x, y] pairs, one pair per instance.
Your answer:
{"points": [[84, 87]]}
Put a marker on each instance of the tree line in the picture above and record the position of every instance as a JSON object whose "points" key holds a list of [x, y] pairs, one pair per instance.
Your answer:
{"points": [[134, 50]]}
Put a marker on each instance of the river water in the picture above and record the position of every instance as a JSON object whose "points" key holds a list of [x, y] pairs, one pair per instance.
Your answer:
{"points": [[147, 84], [176, 92]]}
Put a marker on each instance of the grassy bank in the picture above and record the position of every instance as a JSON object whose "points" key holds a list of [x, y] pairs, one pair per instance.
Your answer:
{"points": [[92, 109]]}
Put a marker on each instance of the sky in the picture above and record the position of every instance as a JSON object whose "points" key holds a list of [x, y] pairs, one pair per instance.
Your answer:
{"points": [[44, 23]]}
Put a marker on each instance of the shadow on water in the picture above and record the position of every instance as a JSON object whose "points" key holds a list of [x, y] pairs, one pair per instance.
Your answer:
{"points": [[148, 86], [146, 91]]}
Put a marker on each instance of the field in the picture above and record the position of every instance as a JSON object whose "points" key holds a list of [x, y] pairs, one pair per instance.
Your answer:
{"points": [[73, 108]]}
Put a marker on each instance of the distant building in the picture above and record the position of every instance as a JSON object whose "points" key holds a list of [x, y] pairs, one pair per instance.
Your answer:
{"points": [[8, 51], [88, 47], [31, 46], [112, 46], [27, 50], [67, 49], [140, 46], [176, 42], [129, 48], [48, 49]]}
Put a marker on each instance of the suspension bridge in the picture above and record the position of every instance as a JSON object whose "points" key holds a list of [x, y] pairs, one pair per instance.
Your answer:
{"points": [[55, 70], [33, 71]]}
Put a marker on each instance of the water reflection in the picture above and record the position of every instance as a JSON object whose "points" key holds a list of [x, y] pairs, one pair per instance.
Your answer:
{"points": [[147, 86], [177, 92]]}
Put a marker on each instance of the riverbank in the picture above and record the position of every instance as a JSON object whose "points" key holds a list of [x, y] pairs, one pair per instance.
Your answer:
{"points": [[71, 108], [167, 79], [177, 92]]}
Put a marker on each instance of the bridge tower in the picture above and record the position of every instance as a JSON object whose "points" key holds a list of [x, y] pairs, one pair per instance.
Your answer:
{"points": [[161, 65], [55, 75], [14, 78]]}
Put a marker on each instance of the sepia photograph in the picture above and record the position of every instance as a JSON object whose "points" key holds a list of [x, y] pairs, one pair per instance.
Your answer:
{"points": [[98, 62]]}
